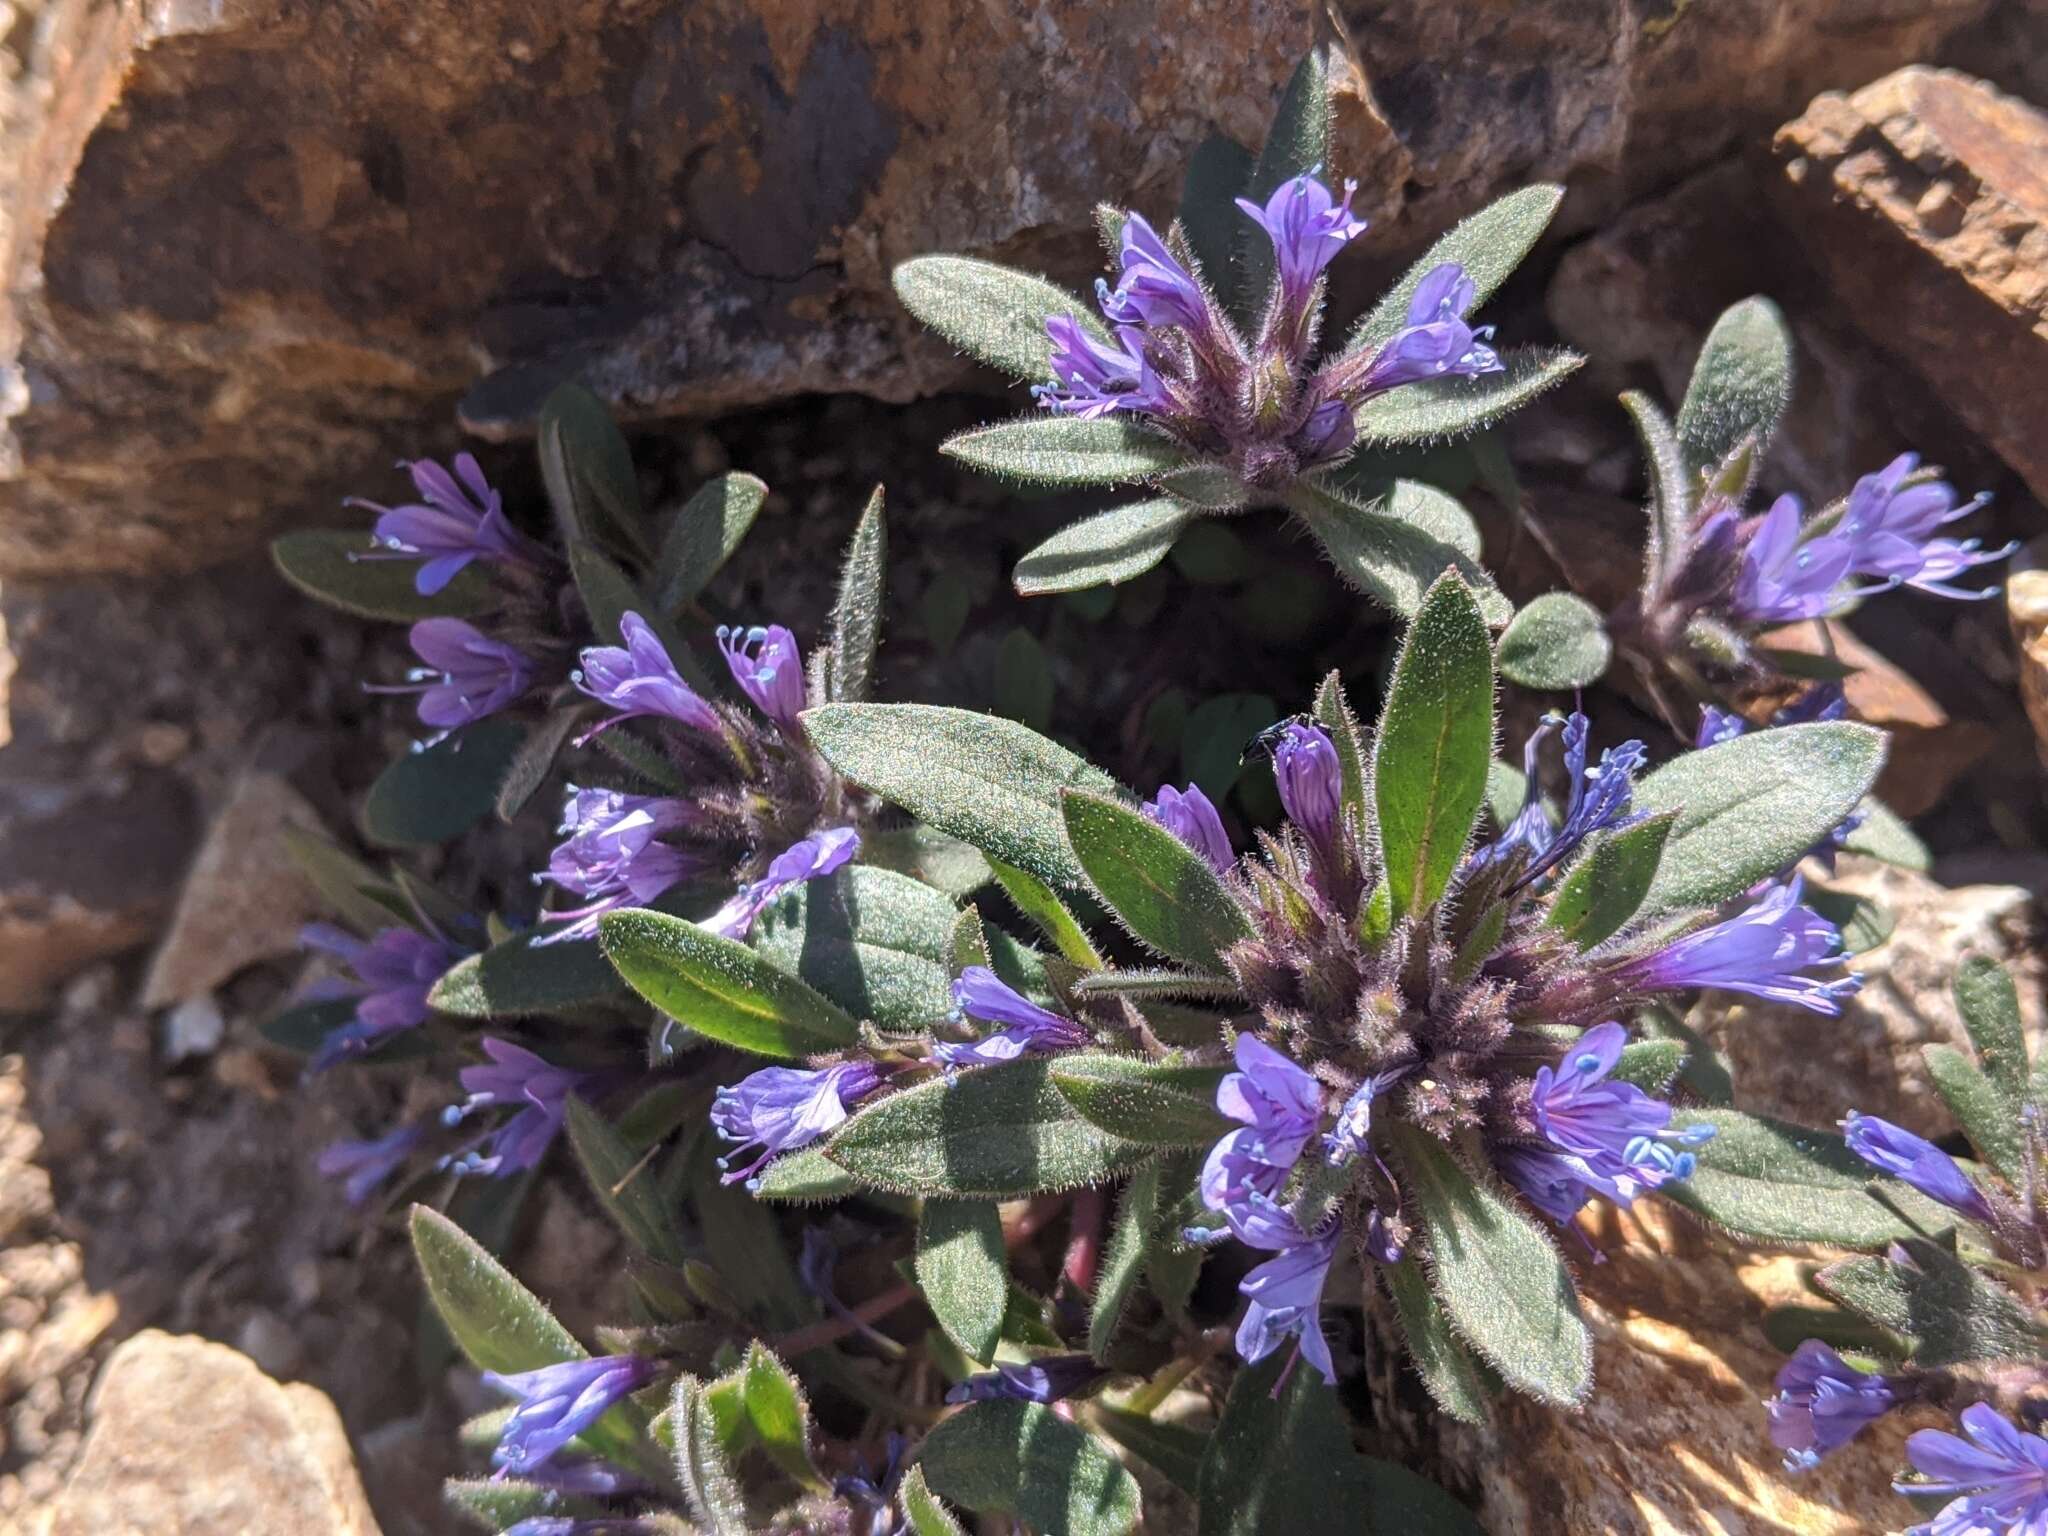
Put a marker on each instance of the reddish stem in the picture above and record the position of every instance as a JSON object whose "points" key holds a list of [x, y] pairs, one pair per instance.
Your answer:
{"points": [[832, 1329], [1084, 1240]]}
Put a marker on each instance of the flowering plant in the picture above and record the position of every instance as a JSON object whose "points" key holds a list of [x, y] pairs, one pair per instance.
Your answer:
{"points": [[1203, 376]]}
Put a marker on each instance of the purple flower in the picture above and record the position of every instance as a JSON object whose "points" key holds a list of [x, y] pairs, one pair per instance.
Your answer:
{"points": [[1048, 1379], [1328, 433], [568, 1525], [779, 1109], [558, 1402], [538, 1093], [363, 1165], [768, 667], [1784, 577], [1347, 1138], [639, 679], [1916, 1161], [1765, 950], [1310, 781], [1599, 801], [451, 525], [1285, 1292], [1095, 378], [811, 858], [1550, 1180], [614, 855], [1190, 816], [1823, 1402], [1717, 726], [467, 675], [1611, 1136], [1308, 227], [1436, 343], [1279, 1105], [1890, 525], [395, 971], [1027, 1028], [1153, 289], [2002, 1478]]}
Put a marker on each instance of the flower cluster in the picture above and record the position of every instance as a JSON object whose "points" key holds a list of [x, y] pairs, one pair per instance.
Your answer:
{"points": [[1257, 405]]}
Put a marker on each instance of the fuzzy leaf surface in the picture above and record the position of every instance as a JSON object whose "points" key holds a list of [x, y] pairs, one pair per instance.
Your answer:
{"points": [[1436, 410], [964, 1272], [429, 796], [1109, 547], [1740, 385], [1446, 1367], [1065, 451], [875, 942], [857, 616], [1159, 887], [994, 314], [328, 565], [1607, 885], [702, 535], [1489, 246], [1022, 1459], [1556, 641], [521, 978], [1394, 548], [1956, 1314], [1145, 1101]]}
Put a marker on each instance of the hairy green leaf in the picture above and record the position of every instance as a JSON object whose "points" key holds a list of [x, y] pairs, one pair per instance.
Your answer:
{"points": [[1882, 835], [875, 942], [1606, 886], [702, 534], [525, 976], [1438, 409], [1159, 887], [1987, 1116], [921, 1507], [1954, 1313], [1153, 1102], [711, 1486], [1110, 547], [964, 1272], [1447, 1369], [441, 791], [1065, 451], [1218, 172], [857, 616], [1022, 1459], [1556, 641], [330, 565], [624, 1183], [1990, 1006], [993, 314], [1740, 386], [1395, 548], [1489, 246], [588, 471]]}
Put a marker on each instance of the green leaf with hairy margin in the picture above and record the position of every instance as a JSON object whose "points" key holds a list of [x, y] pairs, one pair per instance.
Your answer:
{"points": [[1956, 1314], [624, 1183], [1882, 835], [1434, 745], [353, 891], [997, 1132], [1501, 1281], [1110, 547], [964, 1272], [328, 565], [1650, 1064], [992, 313], [502, 1326], [711, 1485], [941, 861], [1218, 172], [1394, 548], [805, 1176], [1752, 806], [498, 1503], [1990, 1006], [989, 781], [779, 1414], [1439, 409], [1987, 1116], [1607, 884], [588, 471], [1765, 1178], [1489, 246], [1160, 1104], [534, 761], [875, 942], [1297, 143], [720, 989], [1671, 495], [921, 1507], [442, 791], [857, 616], [1065, 451], [1334, 714], [702, 534], [1556, 641], [1123, 1259], [1022, 1459], [1453, 1378], [523, 977], [1163, 891], [1037, 901], [1740, 386]]}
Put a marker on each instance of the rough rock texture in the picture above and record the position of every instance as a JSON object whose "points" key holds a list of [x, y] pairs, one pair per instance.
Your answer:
{"points": [[1815, 1070], [189, 1437], [1924, 199], [258, 244], [1673, 1441], [2026, 605]]}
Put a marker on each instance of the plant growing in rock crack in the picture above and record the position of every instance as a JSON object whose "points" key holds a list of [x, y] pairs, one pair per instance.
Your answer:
{"points": [[1205, 377], [1947, 1312]]}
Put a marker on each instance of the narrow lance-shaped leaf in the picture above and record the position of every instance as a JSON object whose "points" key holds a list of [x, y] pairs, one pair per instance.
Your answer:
{"points": [[524, 977], [1501, 1281], [1334, 714], [921, 1507], [1159, 1103], [1037, 901], [1434, 746], [1671, 497], [1447, 1369], [993, 314], [1954, 1313], [1218, 173], [624, 1184], [857, 616], [964, 1272], [711, 1486], [702, 534], [534, 761], [1123, 1260], [1110, 547], [1606, 887], [1159, 887], [1740, 386], [1556, 641], [780, 1416], [1990, 1006], [1393, 549], [588, 470], [992, 782], [1439, 409], [1066, 451], [1489, 246], [353, 891], [1991, 1122], [721, 989], [330, 565], [1751, 807]]}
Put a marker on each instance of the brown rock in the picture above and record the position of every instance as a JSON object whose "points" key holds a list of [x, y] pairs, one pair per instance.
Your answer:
{"points": [[189, 1438], [2026, 605], [259, 244], [1923, 198], [1673, 1440], [1814, 1070], [243, 901]]}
